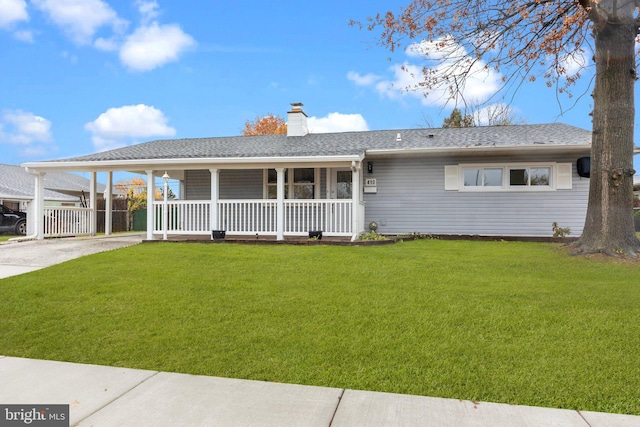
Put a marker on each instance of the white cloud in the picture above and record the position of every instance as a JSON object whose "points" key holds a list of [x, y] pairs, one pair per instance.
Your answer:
{"points": [[148, 10], [149, 46], [117, 126], [153, 46], [23, 35], [108, 45], [444, 60], [31, 134], [493, 114], [12, 12], [572, 63], [81, 19], [337, 122], [366, 80]]}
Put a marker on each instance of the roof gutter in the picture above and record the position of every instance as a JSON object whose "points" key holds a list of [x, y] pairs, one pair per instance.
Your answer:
{"points": [[478, 150]]}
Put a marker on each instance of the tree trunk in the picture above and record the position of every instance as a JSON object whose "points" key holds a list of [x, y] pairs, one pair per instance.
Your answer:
{"points": [[609, 224]]}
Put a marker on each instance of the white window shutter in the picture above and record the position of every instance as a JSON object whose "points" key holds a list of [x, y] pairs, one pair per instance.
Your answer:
{"points": [[451, 177], [565, 172]]}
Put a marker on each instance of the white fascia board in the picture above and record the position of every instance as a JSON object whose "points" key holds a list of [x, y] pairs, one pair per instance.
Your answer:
{"points": [[478, 150], [204, 163], [13, 197]]}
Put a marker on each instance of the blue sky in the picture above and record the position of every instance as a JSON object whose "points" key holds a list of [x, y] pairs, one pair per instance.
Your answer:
{"points": [[80, 76]]}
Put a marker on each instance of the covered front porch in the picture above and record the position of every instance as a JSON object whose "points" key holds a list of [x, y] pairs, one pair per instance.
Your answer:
{"points": [[289, 207], [316, 205]]}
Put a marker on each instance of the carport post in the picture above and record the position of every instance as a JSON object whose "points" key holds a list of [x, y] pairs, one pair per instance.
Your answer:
{"points": [[107, 204], [93, 194], [38, 200], [150, 204]]}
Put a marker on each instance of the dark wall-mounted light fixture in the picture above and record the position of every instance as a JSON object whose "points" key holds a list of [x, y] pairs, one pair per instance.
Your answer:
{"points": [[584, 167], [369, 167]]}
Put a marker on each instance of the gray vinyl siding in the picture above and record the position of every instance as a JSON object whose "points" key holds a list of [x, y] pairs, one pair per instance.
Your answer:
{"points": [[411, 198], [234, 184]]}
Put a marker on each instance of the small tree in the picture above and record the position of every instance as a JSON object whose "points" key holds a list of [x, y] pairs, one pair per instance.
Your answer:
{"points": [[135, 191], [456, 120], [491, 115], [267, 125]]}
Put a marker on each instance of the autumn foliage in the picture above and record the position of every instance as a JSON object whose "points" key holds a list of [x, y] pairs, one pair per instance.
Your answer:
{"points": [[530, 39], [267, 125]]}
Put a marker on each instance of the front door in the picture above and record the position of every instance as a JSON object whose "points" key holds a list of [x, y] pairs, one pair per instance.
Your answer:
{"points": [[341, 185]]}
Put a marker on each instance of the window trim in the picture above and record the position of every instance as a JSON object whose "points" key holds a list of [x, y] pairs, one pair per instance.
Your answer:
{"points": [[554, 172]]}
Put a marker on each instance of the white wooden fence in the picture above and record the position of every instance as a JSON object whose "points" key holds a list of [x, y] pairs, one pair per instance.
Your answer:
{"points": [[61, 221]]}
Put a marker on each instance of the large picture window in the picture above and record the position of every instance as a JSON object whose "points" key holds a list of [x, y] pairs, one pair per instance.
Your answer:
{"points": [[302, 186]]}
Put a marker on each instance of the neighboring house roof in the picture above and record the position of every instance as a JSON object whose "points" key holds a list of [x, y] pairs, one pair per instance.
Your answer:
{"points": [[17, 184], [349, 143]]}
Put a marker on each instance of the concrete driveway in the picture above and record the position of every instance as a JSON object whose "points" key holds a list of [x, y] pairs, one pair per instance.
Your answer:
{"points": [[18, 257]]}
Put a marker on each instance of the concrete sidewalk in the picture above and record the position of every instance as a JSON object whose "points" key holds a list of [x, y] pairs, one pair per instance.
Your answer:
{"points": [[107, 396]]}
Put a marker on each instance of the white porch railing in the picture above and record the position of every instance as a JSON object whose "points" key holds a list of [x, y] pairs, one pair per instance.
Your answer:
{"points": [[247, 216], [332, 217], [250, 217], [184, 217], [62, 221]]}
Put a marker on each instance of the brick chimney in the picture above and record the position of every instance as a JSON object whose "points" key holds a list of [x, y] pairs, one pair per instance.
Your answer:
{"points": [[297, 121]]}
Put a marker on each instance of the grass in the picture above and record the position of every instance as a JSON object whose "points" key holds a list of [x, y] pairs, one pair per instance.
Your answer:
{"points": [[5, 237], [511, 322]]}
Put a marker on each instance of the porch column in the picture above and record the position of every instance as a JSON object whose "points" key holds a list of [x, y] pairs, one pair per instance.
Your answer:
{"points": [[93, 194], [37, 213], [215, 195], [280, 204], [107, 205], [150, 204], [355, 197]]}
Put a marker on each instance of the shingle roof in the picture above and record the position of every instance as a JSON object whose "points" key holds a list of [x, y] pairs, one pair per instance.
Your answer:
{"points": [[16, 183], [347, 143]]}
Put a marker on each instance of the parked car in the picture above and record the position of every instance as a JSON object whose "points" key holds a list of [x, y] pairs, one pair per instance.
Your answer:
{"points": [[12, 221]]}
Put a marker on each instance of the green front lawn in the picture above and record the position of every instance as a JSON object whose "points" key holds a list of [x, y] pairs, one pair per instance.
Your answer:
{"points": [[520, 323]]}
